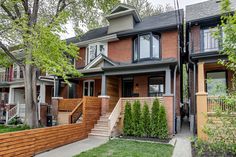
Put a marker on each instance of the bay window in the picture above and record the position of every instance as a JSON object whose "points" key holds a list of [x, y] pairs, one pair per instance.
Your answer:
{"points": [[146, 46], [210, 43], [93, 50]]}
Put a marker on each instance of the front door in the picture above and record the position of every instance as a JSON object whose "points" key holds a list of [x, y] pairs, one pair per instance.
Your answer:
{"points": [[127, 88], [88, 88]]}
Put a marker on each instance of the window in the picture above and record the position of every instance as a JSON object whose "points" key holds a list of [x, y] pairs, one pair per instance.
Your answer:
{"points": [[146, 46], [156, 86], [216, 83], [210, 43], [93, 50], [88, 87], [72, 90]]}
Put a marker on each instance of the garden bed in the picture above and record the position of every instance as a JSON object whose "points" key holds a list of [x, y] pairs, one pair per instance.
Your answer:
{"points": [[205, 151], [146, 139], [13, 128], [124, 148]]}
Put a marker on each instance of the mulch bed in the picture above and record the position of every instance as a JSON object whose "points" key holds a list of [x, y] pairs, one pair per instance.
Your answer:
{"points": [[146, 139], [208, 153]]}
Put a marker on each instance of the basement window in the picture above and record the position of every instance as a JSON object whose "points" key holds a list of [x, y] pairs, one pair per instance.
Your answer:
{"points": [[146, 46]]}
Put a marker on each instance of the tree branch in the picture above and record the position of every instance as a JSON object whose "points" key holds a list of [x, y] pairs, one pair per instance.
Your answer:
{"points": [[17, 11], [34, 15], [8, 53], [25, 4], [7, 11]]}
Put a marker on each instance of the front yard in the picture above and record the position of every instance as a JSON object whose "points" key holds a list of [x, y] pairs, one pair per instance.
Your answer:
{"points": [[126, 148], [4, 129]]}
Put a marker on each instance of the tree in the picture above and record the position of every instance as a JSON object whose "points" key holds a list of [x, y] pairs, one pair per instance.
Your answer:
{"points": [[34, 27], [146, 8], [128, 119], [136, 115], [155, 118], [163, 128], [146, 121]]}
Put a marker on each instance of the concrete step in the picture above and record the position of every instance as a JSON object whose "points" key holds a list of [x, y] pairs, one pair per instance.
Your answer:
{"points": [[101, 125], [102, 121], [95, 134], [94, 130]]}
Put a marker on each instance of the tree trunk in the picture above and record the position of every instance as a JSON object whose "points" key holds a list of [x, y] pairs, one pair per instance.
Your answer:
{"points": [[30, 95]]}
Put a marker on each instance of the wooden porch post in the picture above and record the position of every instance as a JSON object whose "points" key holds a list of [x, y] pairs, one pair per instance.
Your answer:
{"points": [[201, 102]]}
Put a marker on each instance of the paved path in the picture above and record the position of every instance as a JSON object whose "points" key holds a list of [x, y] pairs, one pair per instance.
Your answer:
{"points": [[183, 145], [75, 148]]}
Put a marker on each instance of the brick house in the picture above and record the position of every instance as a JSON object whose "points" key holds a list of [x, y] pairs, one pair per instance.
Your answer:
{"points": [[205, 74], [131, 58]]}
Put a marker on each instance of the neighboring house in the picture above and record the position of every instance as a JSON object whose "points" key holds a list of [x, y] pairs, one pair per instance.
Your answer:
{"points": [[131, 58], [207, 79], [12, 93]]}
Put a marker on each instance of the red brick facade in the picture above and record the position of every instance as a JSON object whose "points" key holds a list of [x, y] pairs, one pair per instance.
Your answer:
{"points": [[169, 44]]}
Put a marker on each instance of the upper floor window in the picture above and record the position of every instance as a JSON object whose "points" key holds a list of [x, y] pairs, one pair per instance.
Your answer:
{"points": [[93, 50], [210, 43], [146, 46]]}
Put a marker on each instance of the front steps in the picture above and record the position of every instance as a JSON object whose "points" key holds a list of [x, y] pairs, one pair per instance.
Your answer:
{"points": [[101, 128]]}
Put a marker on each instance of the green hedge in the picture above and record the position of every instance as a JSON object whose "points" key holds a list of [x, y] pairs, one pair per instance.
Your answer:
{"points": [[140, 122]]}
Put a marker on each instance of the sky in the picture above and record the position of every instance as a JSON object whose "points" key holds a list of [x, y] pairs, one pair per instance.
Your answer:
{"points": [[182, 4]]}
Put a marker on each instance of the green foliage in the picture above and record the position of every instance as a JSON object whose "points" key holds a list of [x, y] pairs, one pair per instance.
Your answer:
{"points": [[155, 118], [4, 129], [146, 121], [15, 121], [136, 115], [163, 128], [185, 83], [128, 120]]}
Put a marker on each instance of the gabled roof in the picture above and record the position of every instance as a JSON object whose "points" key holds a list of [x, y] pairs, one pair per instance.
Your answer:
{"points": [[158, 22], [122, 7], [99, 61], [207, 9]]}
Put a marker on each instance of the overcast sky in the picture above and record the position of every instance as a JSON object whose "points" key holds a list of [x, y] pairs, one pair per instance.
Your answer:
{"points": [[182, 4]]}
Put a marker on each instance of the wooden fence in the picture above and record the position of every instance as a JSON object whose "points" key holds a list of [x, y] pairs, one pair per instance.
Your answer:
{"points": [[31, 142], [68, 104]]}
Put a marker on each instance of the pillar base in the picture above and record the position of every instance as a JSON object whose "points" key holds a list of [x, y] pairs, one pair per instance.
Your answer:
{"points": [[105, 104]]}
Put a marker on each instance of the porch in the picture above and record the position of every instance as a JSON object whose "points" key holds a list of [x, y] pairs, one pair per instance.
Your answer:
{"points": [[214, 80]]}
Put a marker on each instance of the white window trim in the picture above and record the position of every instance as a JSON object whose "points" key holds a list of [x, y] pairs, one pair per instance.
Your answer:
{"points": [[98, 51], [89, 81]]}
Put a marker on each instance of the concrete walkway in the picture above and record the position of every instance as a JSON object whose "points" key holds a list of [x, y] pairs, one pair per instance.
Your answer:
{"points": [[183, 145], [75, 148]]}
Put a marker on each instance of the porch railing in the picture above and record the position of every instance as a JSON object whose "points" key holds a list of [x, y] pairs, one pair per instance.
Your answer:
{"points": [[76, 113], [214, 102], [68, 105], [4, 77]]}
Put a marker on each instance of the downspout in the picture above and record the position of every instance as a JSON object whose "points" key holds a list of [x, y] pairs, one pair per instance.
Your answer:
{"points": [[174, 103]]}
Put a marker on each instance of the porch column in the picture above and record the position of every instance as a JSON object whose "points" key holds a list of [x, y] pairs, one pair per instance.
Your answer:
{"points": [[201, 102], [42, 93], [168, 82], [57, 85], [105, 98]]}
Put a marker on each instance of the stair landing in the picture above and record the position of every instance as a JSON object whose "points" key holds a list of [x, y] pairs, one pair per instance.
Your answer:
{"points": [[101, 128]]}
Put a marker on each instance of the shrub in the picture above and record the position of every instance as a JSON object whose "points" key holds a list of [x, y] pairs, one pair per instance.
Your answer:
{"points": [[146, 120], [155, 118], [128, 120], [136, 115], [163, 128], [15, 121]]}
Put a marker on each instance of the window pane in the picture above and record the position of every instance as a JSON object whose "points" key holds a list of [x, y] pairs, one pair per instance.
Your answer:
{"points": [[101, 49], [210, 43], [156, 86], [145, 46], [92, 52], [91, 88], [136, 49], [156, 47], [85, 88], [216, 83]]}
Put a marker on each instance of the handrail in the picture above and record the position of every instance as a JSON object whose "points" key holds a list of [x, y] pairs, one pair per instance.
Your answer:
{"points": [[12, 113], [114, 115], [74, 111]]}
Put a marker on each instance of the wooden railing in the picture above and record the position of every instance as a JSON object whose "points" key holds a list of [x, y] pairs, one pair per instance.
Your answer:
{"points": [[114, 115], [214, 102], [11, 113], [68, 105], [76, 113]]}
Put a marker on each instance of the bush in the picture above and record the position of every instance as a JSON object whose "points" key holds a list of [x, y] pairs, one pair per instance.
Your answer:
{"points": [[163, 128], [146, 121], [136, 115], [15, 121], [128, 120], [155, 118]]}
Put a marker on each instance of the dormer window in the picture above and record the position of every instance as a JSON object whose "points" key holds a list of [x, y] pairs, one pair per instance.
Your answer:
{"points": [[146, 46], [93, 50]]}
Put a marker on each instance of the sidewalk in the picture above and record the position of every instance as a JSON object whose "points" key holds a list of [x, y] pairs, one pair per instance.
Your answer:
{"points": [[75, 148], [183, 145]]}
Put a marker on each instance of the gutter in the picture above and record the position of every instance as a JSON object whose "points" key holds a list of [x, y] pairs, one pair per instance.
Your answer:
{"points": [[174, 103]]}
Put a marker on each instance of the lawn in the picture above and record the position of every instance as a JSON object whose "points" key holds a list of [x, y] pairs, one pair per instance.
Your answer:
{"points": [[4, 129], [126, 148]]}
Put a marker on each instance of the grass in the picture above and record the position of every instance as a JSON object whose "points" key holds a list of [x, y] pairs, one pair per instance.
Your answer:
{"points": [[4, 129], [126, 148]]}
